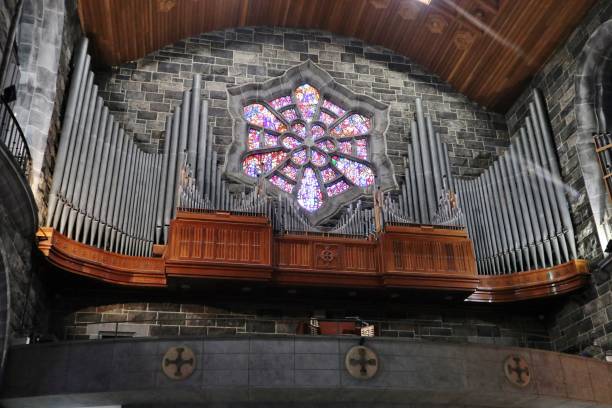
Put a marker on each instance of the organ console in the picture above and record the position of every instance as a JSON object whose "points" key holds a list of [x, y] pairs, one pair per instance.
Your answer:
{"points": [[111, 198]]}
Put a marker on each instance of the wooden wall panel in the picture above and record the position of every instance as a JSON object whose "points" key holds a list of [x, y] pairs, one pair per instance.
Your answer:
{"points": [[486, 49]]}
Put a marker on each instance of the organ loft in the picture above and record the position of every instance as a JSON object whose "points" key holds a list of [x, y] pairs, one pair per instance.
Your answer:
{"points": [[377, 203]]}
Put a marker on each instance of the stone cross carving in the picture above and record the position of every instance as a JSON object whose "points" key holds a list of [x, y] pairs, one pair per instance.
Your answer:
{"points": [[517, 371], [178, 363], [361, 362]]}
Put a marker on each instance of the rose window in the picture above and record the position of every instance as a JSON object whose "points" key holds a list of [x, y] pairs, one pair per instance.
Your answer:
{"points": [[307, 146]]}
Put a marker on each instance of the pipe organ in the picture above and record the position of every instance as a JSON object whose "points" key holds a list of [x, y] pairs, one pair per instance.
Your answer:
{"points": [[517, 211], [427, 194], [110, 194], [104, 186]]}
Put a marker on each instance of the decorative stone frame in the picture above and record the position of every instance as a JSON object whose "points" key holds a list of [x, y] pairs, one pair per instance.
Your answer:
{"points": [[309, 72], [593, 104]]}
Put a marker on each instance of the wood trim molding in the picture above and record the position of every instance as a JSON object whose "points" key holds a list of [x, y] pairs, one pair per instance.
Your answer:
{"points": [[538, 283], [231, 247], [96, 263]]}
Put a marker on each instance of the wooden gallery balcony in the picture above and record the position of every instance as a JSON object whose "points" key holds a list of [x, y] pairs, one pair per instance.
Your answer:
{"points": [[223, 246]]}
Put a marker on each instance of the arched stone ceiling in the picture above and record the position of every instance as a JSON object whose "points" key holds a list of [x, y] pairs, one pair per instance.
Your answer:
{"points": [[486, 49]]}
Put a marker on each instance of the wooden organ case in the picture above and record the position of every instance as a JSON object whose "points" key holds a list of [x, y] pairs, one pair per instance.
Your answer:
{"points": [[224, 246]]}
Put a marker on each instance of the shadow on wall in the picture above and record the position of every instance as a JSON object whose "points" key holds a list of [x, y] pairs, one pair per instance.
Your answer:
{"points": [[593, 114], [18, 224]]}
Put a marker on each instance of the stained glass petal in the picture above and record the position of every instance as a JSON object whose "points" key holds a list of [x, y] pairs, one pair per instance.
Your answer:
{"points": [[271, 140], [291, 142], [300, 157], [358, 173], [299, 129], [361, 148], [309, 194], [328, 174], [281, 102], [290, 115], [318, 159], [290, 171], [334, 108], [326, 146], [256, 164], [345, 147], [254, 141], [259, 115], [337, 188], [326, 118], [282, 183], [307, 98], [354, 125], [317, 132]]}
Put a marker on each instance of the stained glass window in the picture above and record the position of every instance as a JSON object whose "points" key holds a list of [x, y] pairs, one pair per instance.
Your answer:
{"points": [[308, 146], [337, 188], [309, 194], [281, 183]]}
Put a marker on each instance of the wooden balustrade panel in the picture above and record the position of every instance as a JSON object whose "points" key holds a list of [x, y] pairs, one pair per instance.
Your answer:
{"points": [[219, 245], [224, 246], [321, 260], [428, 257]]}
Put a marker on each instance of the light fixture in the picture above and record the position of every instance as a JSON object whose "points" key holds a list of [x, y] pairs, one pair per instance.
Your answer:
{"points": [[426, 2]]}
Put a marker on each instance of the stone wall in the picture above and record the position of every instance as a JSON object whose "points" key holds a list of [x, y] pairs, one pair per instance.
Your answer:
{"points": [[27, 310], [7, 10], [47, 33], [142, 93], [219, 317], [587, 318]]}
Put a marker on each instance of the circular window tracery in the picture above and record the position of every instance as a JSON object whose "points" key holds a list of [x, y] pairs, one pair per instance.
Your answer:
{"points": [[307, 146]]}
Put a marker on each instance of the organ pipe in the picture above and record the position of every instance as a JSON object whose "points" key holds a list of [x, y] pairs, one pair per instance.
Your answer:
{"points": [[518, 217], [75, 93], [110, 193], [547, 139]]}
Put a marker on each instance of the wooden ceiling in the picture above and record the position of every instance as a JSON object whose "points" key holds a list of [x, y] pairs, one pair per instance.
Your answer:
{"points": [[487, 49]]}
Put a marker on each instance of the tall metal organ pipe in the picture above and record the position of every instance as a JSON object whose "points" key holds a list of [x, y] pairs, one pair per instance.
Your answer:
{"points": [[106, 190], [75, 92], [521, 217]]}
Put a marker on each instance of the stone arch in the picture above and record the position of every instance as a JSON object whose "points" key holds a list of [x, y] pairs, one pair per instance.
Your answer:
{"points": [[593, 108]]}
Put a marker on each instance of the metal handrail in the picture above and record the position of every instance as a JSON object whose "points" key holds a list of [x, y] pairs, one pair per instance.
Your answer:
{"points": [[11, 136]]}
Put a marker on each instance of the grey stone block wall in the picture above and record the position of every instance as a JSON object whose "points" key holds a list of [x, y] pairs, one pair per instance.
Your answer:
{"points": [[585, 322], [47, 33], [428, 323], [28, 311], [298, 372], [143, 93], [7, 10]]}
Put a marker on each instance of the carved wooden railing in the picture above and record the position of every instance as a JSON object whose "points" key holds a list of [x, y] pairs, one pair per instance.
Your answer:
{"points": [[223, 246], [11, 136], [428, 257], [219, 245]]}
